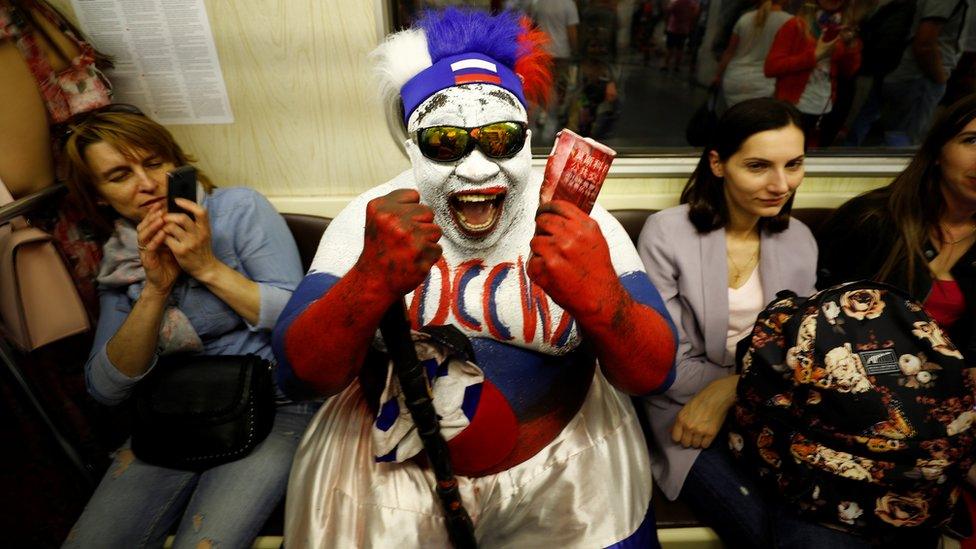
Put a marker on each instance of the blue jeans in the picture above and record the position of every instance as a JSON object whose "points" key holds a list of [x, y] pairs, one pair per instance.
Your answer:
{"points": [[907, 109], [136, 504], [645, 537], [731, 504]]}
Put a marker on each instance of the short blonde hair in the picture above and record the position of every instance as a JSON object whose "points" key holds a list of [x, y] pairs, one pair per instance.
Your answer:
{"points": [[127, 132]]}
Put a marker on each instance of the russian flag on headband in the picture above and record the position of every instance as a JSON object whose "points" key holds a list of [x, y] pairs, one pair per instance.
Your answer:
{"points": [[456, 70], [467, 71]]}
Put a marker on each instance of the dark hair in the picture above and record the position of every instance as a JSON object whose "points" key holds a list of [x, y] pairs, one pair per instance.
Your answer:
{"points": [[705, 192], [915, 202]]}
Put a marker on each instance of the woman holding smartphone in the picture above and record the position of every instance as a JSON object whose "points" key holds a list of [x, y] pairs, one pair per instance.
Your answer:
{"points": [[809, 54], [717, 260], [210, 284]]}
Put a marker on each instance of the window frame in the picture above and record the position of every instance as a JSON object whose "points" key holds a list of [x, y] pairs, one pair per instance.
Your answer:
{"points": [[681, 161]]}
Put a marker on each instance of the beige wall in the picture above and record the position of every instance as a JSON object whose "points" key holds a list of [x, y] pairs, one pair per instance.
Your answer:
{"points": [[309, 131], [306, 120]]}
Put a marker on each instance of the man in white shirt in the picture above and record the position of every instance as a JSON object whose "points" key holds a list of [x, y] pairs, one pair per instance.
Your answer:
{"points": [[912, 91], [560, 20]]}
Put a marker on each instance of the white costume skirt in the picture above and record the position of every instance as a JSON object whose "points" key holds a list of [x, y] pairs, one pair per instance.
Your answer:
{"points": [[590, 487]]}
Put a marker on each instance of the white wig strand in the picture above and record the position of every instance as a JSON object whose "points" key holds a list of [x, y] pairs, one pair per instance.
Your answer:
{"points": [[398, 59]]}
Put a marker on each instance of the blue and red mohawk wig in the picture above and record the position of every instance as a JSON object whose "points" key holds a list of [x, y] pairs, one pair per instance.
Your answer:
{"points": [[455, 46]]}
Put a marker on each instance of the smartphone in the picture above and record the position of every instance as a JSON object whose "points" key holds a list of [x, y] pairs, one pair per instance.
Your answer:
{"points": [[830, 30], [181, 183]]}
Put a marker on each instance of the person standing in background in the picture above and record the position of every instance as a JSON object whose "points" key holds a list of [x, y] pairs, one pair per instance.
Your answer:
{"points": [[682, 18], [809, 54], [643, 20], [912, 91], [740, 71], [560, 20], [521, 6], [729, 12]]}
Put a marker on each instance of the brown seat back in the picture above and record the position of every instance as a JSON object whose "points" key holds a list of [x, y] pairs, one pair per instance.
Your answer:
{"points": [[813, 217], [307, 231], [633, 219]]}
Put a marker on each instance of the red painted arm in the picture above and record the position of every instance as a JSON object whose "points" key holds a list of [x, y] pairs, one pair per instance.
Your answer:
{"points": [[327, 343], [571, 262], [633, 342]]}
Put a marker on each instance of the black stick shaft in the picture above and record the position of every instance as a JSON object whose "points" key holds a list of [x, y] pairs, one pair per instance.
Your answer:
{"points": [[395, 328]]}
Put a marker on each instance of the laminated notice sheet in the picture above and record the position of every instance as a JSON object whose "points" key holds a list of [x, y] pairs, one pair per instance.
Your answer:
{"points": [[165, 60]]}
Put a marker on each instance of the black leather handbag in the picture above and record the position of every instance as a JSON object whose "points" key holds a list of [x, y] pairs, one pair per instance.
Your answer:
{"points": [[195, 411]]}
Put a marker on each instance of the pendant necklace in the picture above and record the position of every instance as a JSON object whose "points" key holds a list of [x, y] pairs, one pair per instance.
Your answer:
{"points": [[946, 232], [739, 270]]}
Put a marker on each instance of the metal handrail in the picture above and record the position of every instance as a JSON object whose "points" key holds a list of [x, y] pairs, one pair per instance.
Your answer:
{"points": [[30, 202]]}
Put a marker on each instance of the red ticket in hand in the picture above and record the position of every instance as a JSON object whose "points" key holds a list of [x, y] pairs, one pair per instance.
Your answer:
{"points": [[575, 170]]}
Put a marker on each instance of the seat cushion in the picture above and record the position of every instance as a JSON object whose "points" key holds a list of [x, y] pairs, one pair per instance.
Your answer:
{"points": [[632, 220]]}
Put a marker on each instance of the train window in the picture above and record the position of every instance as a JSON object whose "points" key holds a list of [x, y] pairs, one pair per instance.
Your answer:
{"points": [[644, 76]]}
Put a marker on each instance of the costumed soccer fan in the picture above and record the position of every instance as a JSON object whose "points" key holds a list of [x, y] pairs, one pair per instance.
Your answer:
{"points": [[562, 321]]}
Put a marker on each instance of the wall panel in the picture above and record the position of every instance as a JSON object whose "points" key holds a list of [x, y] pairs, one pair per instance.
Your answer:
{"points": [[309, 130], [306, 119]]}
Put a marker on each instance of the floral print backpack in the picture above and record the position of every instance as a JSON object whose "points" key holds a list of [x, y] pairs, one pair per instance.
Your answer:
{"points": [[856, 408]]}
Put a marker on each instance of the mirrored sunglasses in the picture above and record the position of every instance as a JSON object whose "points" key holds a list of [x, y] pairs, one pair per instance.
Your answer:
{"points": [[450, 143]]}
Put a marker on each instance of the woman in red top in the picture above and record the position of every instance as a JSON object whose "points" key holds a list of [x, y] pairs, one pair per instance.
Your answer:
{"points": [[918, 232], [809, 53]]}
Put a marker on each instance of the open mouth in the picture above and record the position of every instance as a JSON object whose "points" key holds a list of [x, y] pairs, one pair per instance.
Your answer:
{"points": [[477, 212]]}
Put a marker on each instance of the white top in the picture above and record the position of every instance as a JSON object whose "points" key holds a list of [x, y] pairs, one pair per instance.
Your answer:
{"points": [[816, 96], [744, 77], [953, 37], [553, 16], [745, 302]]}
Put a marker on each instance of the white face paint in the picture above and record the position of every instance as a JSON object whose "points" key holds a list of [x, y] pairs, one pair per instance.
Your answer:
{"points": [[476, 199]]}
